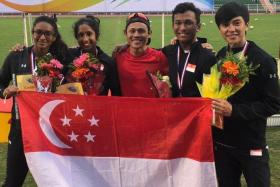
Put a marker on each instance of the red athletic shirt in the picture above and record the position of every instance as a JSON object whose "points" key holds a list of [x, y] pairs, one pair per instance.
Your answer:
{"points": [[132, 72]]}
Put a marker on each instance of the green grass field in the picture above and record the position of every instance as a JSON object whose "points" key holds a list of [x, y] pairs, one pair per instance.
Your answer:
{"points": [[266, 32]]}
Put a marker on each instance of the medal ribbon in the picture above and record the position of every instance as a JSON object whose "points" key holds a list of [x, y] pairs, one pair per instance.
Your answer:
{"points": [[180, 80]]}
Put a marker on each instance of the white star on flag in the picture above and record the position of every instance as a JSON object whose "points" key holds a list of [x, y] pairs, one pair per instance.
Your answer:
{"points": [[93, 121], [89, 137], [66, 121], [78, 111], [73, 137]]}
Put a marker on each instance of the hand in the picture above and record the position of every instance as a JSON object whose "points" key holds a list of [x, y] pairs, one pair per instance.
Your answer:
{"points": [[17, 48], [10, 91], [173, 41], [208, 46], [118, 49], [222, 107]]}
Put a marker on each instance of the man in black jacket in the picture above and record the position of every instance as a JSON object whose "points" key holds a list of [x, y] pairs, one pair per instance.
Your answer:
{"points": [[188, 60], [240, 148]]}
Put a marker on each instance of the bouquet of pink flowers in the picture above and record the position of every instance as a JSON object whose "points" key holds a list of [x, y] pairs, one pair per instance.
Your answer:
{"points": [[88, 70], [48, 73]]}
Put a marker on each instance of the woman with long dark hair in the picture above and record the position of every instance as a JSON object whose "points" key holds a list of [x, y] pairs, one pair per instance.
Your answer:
{"points": [[46, 40], [103, 73]]}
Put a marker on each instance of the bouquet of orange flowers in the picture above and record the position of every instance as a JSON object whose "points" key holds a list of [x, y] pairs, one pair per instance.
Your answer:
{"points": [[88, 70], [48, 73], [161, 84], [226, 78]]}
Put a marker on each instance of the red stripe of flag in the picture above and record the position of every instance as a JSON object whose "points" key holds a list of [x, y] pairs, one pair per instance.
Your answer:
{"points": [[117, 127]]}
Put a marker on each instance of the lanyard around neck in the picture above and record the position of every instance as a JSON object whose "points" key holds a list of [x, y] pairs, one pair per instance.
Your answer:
{"points": [[33, 64], [180, 80], [244, 49], [242, 53]]}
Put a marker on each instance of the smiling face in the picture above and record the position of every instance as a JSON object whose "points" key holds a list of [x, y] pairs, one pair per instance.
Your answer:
{"points": [[86, 38], [137, 35], [185, 28], [234, 32], [43, 36]]}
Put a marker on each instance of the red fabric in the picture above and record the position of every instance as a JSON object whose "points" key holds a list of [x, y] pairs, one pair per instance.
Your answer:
{"points": [[6, 107], [132, 72], [127, 127], [161, 88]]}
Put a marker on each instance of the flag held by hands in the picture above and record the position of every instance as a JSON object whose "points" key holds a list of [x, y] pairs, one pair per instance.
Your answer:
{"points": [[73, 140]]}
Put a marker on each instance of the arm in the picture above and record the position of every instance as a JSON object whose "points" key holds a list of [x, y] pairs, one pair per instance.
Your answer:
{"points": [[164, 67], [113, 79], [18, 47], [118, 49], [269, 91], [210, 61], [7, 91]]}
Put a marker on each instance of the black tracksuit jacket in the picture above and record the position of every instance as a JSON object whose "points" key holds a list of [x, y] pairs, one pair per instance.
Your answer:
{"points": [[252, 104], [202, 58]]}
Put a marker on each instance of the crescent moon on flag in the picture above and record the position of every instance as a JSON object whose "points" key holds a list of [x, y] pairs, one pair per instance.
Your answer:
{"points": [[53, 6], [45, 124]]}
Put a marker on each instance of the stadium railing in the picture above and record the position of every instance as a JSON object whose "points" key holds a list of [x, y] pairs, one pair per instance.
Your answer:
{"points": [[273, 121], [257, 8]]}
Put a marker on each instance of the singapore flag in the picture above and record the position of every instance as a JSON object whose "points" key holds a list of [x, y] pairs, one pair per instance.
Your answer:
{"points": [[88, 141]]}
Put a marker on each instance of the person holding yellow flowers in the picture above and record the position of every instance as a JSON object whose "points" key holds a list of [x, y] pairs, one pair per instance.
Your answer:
{"points": [[245, 91]]}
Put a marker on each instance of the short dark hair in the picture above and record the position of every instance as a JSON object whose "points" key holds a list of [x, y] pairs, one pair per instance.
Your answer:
{"points": [[184, 7], [138, 17], [229, 11], [89, 20]]}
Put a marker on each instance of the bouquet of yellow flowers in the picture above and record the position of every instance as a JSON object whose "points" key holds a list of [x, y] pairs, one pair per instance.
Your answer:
{"points": [[89, 71], [226, 77]]}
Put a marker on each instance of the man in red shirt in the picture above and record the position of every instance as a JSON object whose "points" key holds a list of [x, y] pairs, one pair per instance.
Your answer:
{"points": [[138, 58]]}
